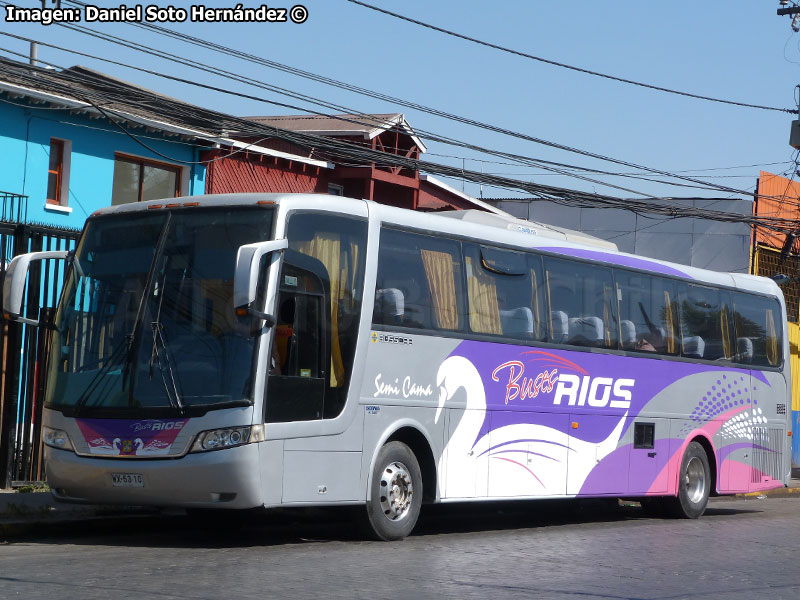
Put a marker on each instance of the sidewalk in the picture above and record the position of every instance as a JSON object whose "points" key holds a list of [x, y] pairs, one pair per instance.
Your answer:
{"points": [[24, 513], [34, 513]]}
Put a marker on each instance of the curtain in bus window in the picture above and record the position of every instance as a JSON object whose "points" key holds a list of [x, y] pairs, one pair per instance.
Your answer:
{"points": [[609, 323], [484, 309], [350, 276], [670, 322], [726, 338], [441, 281], [773, 356], [537, 329], [326, 247]]}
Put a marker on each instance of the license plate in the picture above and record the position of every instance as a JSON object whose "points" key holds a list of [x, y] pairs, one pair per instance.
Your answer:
{"points": [[127, 480]]}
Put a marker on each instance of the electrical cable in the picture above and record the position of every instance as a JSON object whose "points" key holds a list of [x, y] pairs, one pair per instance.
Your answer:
{"points": [[101, 93], [563, 65], [539, 163], [273, 64]]}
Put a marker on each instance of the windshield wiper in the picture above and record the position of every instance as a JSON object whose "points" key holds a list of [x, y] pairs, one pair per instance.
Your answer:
{"points": [[171, 387], [133, 346]]}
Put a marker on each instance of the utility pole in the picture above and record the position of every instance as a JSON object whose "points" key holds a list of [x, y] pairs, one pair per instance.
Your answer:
{"points": [[793, 10]]}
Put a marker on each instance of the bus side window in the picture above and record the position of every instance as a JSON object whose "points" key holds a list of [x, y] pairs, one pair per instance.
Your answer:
{"points": [[648, 313], [583, 296], [756, 323], [501, 290], [318, 312], [418, 284], [704, 323]]}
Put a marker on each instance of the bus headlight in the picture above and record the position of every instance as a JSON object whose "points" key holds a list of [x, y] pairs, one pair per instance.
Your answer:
{"points": [[56, 438], [229, 437]]}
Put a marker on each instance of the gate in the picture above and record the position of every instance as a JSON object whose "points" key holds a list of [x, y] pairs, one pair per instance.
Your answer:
{"points": [[23, 350]]}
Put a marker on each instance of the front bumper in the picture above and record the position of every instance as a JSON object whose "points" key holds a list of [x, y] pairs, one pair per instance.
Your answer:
{"points": [[227, 478]]}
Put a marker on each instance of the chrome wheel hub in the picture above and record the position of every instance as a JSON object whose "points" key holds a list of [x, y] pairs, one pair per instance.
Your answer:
{"points": [[396, 491], [695, 480]]}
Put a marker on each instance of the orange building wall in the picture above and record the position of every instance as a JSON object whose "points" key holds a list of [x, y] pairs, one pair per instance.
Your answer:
{"points": [[777, 197]]}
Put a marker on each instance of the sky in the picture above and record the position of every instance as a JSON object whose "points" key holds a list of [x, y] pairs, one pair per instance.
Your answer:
{"points": [[739, 50]]}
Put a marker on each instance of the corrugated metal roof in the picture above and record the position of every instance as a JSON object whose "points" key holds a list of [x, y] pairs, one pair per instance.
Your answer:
{"points": [[367, 125], [80, 87], [79, 84], [343, 123]]}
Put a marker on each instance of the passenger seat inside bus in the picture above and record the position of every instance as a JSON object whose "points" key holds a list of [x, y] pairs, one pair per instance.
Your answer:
{"points": [[560, 325], [517, 322], [744, 350], [628, 334], [694, 346], [389, 306], [586, 331]]}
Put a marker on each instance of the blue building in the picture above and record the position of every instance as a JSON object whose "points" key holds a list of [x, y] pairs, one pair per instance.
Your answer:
{"points": [[62, 158]]}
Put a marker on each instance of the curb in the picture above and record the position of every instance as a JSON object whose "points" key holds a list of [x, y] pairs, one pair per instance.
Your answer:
{"points": [[785, 492]]}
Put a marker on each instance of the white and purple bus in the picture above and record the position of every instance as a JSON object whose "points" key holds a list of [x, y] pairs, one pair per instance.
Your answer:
{"points": [[242, 351]]}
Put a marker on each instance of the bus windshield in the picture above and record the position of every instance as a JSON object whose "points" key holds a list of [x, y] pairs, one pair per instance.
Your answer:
{"points": [[146, 322]]}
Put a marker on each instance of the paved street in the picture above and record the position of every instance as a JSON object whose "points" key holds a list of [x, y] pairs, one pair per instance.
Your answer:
{"points": [[739, 549]]}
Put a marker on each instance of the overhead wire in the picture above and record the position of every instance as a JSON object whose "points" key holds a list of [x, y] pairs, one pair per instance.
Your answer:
{"points": [[564, 65], [519, 159], [102, 94], [330, 81]]}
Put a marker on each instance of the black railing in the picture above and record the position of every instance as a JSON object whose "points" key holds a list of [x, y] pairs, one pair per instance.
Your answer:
{"points": [[14, 208], [23, 350]]}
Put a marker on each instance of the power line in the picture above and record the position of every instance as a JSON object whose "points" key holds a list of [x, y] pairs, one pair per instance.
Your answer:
{"points": [[512, 156], [519, 159], [102, 92], [329, 81], [563, 65]]}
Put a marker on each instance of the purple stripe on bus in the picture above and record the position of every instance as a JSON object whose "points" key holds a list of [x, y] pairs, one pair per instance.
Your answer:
{"points": [[630, 475], [618, 259], [516, 392]]}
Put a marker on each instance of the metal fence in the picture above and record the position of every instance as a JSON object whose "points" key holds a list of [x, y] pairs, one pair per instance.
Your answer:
{"points": [[771, 261], [23, 350], [13, 207]]}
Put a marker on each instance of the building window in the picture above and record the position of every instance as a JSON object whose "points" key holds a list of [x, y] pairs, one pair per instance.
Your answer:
{"points": [[334, 189], [137, 179], [55, 173]]}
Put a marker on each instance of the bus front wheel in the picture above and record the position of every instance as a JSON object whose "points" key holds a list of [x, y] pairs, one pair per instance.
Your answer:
{"points": [[694, 484], [395, 495]]}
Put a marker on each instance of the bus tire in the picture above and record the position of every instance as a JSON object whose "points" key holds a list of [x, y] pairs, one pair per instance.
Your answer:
{"points": [[694, 484], [395, 496]]}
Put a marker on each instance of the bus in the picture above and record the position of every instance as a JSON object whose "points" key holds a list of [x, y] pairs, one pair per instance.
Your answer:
{"points": [[263, 350]]}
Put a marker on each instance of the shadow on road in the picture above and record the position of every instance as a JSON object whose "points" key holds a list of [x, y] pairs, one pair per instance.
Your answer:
{"points": [[213, 529]]}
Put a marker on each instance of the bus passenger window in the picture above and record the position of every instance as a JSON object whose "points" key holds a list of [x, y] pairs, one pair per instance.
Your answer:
{"points": [[418, 282], [501, 290], [756, 324], [648, 313], [705, 326], [583, 295]]}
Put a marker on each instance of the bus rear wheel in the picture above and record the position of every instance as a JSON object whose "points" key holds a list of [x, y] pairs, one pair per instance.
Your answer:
{"points": [[694, 484], [396, 493]]}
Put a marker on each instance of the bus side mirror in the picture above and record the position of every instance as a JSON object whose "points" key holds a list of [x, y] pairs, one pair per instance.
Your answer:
{"points": [[245, 278], [14, 284]]}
